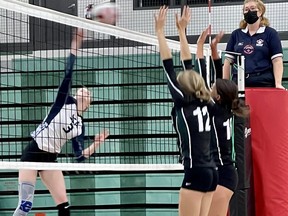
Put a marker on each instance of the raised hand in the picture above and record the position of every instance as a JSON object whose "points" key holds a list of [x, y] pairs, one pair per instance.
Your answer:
{"points": [[217, 39], [77, 41], [160, 19], [213, 45], [183, 21], [202, 38]]}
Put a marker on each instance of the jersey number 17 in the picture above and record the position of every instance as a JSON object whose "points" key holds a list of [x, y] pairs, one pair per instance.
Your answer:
{"points": [[200, 113]]}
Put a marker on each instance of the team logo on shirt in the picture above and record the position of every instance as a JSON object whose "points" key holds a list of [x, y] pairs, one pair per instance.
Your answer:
{"points": [[247, 132], [74, 122], [39, 129], [259, 42], [248, 49]]}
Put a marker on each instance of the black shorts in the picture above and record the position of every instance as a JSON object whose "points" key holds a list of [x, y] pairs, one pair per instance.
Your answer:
{"points": [[203, 179], [228, 177], [33, 154]]}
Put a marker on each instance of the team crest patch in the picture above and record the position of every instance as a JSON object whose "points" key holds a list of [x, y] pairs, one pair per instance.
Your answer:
{"points": [[248, 49], [259, 42]]}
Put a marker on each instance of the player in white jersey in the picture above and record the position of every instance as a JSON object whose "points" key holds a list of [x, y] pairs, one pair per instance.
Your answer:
{"points": [[62, 123]]}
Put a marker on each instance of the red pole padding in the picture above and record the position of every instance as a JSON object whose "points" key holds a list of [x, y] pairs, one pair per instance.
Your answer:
{"points": [[269, 124]]}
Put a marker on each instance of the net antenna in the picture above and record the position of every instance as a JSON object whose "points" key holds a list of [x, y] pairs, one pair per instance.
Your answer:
{"points": [[208, 60], [209, 21]]}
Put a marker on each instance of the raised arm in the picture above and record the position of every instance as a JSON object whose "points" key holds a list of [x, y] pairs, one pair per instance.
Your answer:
{"points": [[181, 24], [76, 41], [216, 59], [166, 56], [200, 44], [165, 52], [200, 61], [214, 44], [65, 86]]}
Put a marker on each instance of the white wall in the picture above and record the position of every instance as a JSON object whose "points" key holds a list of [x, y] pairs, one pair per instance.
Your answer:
{"points": [[16, 24], [225, 18], [222, 18]]}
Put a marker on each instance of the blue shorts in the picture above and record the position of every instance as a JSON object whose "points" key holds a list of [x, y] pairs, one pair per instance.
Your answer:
{"points": [[258, 79], [203, 179], [33, 154], [228, 177]]}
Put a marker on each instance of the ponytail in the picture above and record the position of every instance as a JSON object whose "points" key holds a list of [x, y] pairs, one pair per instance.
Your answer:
{"points": [[203, 94], [239, 108]]}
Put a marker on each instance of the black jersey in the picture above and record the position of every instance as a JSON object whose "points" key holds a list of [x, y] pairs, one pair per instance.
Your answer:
{"points": [[191, 122], [222, 146]]}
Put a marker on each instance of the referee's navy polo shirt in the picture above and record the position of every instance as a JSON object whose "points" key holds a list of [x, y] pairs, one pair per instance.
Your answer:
{"points": [[259, 50]]}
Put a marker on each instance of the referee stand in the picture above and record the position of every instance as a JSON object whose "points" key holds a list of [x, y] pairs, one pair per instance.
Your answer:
{"points": [[261, 144], [269, 117]]}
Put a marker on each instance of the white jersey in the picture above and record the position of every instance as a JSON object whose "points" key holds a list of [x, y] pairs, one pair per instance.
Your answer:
{"points": [[62, 122]]}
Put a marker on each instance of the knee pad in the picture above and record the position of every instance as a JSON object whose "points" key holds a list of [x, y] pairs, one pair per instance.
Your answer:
{"points": [[26, 196]]}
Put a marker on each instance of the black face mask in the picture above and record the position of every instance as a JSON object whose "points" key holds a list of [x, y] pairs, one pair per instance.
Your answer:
{"points": [[251, 17]]}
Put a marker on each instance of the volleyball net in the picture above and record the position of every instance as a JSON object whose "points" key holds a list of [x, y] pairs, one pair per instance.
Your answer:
{"points": [[120, 67]]}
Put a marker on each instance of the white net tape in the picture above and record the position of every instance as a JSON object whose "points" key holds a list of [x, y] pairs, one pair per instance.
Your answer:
{"points": [[90, 167]]}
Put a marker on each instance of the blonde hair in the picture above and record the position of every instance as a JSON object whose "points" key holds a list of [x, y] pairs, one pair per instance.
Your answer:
{"points": [[87, 99], [192, 84], [262, 8]]}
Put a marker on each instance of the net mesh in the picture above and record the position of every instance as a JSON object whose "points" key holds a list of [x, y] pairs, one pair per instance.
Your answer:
{"points": [[121, 67]]}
